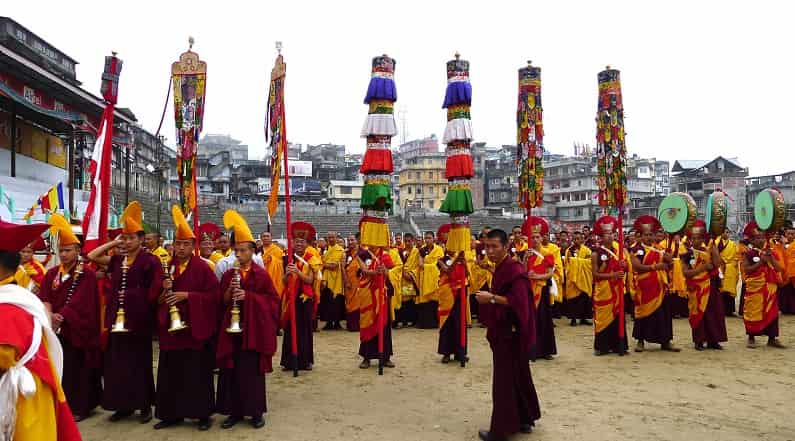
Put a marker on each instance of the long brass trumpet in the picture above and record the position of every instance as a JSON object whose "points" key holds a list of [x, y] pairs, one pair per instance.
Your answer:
{"points": [[118, 325], [173, 312], [234, 321]]}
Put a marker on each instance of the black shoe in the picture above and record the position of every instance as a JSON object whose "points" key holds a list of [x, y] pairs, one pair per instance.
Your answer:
{"points": [[120, 415], [573, 322], [145, 416], [585, 322], [699, 346], [457, 358], [205, 424], [446, 359], [548, 357], [279, 333], [229, 422], [715, 346], [526, 428], [166, 423], [484, 435], [599, 353], [329, 326], [79, 418], [257, 422]]}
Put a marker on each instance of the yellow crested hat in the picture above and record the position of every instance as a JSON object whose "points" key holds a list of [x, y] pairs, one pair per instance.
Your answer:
{"points": [[131, 222], [182, 230], [60, 226], [235, 222]]}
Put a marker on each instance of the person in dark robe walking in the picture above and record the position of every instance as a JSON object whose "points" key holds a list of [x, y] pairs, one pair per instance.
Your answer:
{"points": [[252, 307], [187, 357], [136, 279], [304, 269], [69, 292], [508, 313], [701, 262]]}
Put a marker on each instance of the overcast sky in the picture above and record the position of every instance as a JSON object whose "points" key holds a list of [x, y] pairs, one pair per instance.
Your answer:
{"points": [[700, 78]]}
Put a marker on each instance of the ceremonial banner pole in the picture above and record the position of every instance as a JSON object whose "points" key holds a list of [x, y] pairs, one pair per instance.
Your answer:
{"points": [[611, 154], [377, 168], [530, 139], [458, 170], [276, 133], [188, 80], [95, 221]]}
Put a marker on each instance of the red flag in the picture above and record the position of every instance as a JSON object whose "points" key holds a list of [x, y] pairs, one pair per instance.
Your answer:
{"points": [[95, 221]]}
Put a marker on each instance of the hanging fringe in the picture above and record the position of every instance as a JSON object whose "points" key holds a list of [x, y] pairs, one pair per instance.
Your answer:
{"points": [[376, 196], [373, 232], [457, 130], [459, 166], [458, 92], [379, 124], [377, 160], [459, 239], [381, 89], [458, 201]]}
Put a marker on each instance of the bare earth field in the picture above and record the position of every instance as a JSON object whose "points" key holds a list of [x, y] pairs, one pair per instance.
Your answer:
{"points": [[737, 394]]}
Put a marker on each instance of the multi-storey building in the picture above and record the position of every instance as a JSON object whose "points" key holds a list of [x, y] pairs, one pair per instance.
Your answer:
{"points": [[699, 178], [784, 182], [328, 161], [421, 182]]}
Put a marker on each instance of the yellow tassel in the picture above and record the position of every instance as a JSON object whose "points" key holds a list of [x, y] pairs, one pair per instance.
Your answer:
{"points": [[374, 234], [459, 239]]}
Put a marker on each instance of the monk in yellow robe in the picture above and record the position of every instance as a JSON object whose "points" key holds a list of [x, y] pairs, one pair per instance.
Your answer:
{"points": [[730, 268], [428, 300], [761, 271], [786, 298], [273, 261], [609, 272], [33, 268], [481, 272], [556, 294], [579, 281], [677, 286], [405, 278], [352, 276], [332, 297]]}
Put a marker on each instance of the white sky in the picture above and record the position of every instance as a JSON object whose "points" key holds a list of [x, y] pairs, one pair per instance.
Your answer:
{"points": [[700, 78]]}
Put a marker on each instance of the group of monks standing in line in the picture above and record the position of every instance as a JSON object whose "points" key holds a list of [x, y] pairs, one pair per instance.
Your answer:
{"points": [[584, 275]]}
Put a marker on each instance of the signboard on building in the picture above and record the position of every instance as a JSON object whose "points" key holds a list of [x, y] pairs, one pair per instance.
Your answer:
{"points": [[299, 168], [50, 58]]}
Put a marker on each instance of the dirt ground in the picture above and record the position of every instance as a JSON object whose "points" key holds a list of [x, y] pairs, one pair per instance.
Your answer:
{"points": [[737, 394]]}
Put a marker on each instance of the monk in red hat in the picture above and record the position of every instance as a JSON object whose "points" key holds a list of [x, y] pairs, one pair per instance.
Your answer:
{"points": [[761, 270], [541, 269], [700, 267], [305, 268], [608, 274], [653, 321]]}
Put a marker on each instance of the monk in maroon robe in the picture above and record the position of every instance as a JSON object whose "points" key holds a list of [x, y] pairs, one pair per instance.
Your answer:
{"points": [[187, 357], [245, 357], [127, 362], [508, 313], [69, 291], [374, 268]]}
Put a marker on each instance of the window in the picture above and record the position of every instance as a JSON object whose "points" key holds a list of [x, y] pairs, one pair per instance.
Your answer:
{"points": [[444, 190], [346, 189], [431, 189], [430, 203], [418, 175], [419, 190], [430, 175], [408, 190]]}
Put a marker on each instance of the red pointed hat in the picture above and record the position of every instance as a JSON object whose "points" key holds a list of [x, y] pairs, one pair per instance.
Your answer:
{"points": [[303, 230], [646, 222], [443, 229], [14, 237], [209, 230], [535, 224], [699, 225], [606, 224], [751, 230]]}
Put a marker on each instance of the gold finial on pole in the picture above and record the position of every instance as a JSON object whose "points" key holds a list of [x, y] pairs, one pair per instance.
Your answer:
{"points": [[190, 43], [279, 47], [529, 63], [607, 67], [457, 55]]}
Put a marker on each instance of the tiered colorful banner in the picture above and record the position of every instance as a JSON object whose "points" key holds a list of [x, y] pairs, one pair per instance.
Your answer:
{"points": [[530, 138], [611, 152], [188, 82], [459, 168], [378, 129]]}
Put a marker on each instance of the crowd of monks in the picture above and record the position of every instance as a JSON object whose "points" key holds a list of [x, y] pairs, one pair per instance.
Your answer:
{"points": [[219, 309]]}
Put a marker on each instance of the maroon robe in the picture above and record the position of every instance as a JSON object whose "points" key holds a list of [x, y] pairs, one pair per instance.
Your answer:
{"points": [[128, 379], [79, 335], [187, 359], [245, 358], [511, 335]]}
